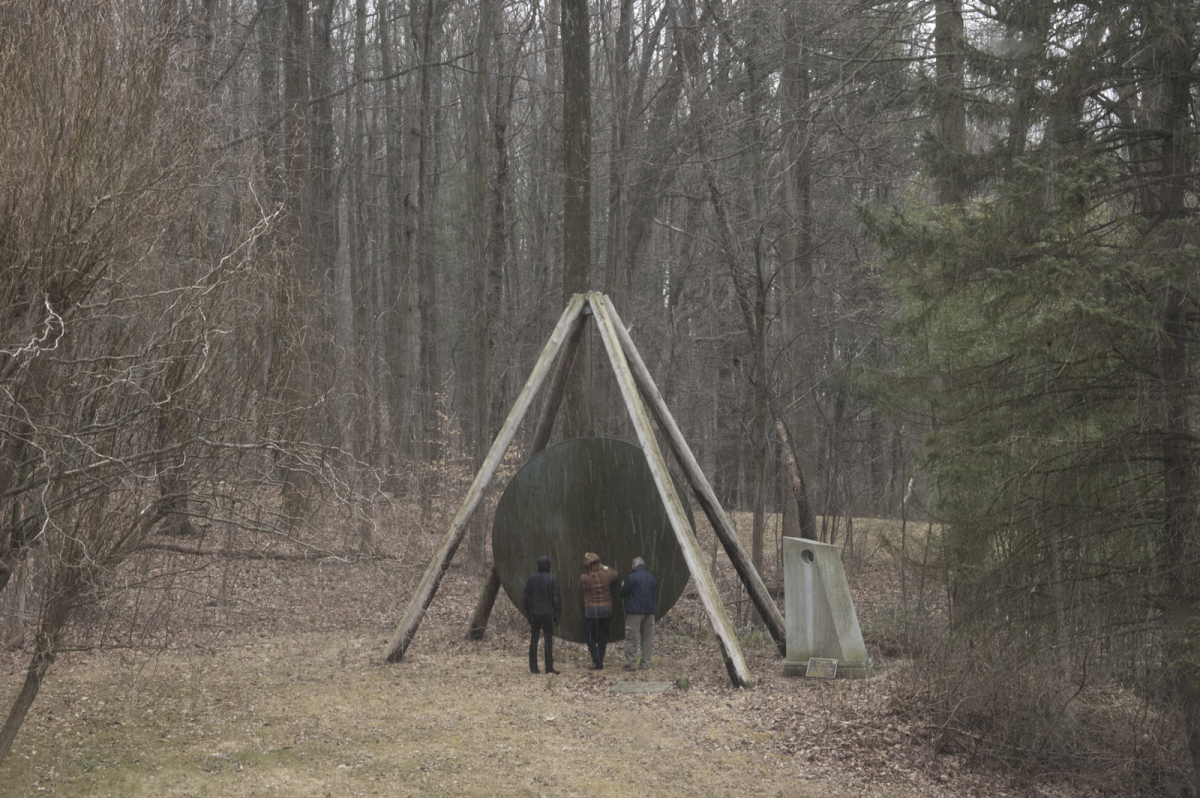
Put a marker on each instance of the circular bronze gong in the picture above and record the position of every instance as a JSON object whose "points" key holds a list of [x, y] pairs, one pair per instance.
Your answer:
{"points": [[581, 495]]}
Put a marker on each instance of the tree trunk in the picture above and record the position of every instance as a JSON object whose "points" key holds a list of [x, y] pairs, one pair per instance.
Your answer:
{"points": [[1175, 59], [480, 272], [616, 276], [658, 166], [297, 286], [331, 274], [359, 323], [546, 223], [805, 519], [426, 29], [58, 611], [799, 302], [1180, 526], [951, 112], [498, 249], [392, 356], [270, 114], [755, 102], [577, 188]]}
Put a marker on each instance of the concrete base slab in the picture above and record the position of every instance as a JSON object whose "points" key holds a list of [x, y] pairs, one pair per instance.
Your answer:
{"points": [[845, 670], [642, 687]]}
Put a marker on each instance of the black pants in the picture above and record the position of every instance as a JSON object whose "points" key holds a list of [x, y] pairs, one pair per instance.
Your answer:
{"points": [[595, 631], [539, 624]]}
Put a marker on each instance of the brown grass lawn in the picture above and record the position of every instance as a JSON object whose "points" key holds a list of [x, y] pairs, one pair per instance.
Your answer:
{"points": [[289, 696]]}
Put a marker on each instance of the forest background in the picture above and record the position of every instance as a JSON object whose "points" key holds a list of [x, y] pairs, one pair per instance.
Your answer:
{"points": [[275, 268]]}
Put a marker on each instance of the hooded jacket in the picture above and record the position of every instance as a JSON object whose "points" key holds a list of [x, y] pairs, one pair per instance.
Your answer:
{"points": [[541, 592], [596, 583]]}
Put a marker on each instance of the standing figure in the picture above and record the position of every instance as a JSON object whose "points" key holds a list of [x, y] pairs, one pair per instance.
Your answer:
{"points": [[597, 606], [639, 592], [543, 608]]}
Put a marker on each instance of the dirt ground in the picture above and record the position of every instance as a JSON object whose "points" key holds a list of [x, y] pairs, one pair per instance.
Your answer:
{"points": [[286, 693], [318, 714]]}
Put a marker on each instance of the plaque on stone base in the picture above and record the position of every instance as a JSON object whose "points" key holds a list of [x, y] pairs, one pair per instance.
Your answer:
{"points": [[820, 668]]}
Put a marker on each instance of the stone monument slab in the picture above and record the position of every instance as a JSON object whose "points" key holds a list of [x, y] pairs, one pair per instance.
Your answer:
{"points": [[819, 612]]}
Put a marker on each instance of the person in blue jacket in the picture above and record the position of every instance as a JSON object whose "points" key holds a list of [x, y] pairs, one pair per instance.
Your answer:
{"points": [[639, 592], [543, 608]]}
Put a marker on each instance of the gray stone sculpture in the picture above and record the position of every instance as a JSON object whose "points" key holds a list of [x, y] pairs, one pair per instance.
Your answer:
{"points": [[819, 613]]}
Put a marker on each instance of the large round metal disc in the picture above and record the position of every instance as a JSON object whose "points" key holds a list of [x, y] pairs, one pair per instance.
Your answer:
{"points": [[581, 495]]}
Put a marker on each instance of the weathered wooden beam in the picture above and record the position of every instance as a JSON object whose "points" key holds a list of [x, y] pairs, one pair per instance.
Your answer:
{"points": [[710, 598], [483, 607], [558, 385], [428, 585], [554, 395], [742, 563]]}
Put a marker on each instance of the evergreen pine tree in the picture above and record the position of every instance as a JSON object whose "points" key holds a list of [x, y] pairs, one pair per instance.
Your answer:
{"points": [[1048, 328]]}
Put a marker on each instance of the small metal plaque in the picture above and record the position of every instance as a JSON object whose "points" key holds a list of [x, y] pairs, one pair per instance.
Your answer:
{"points": [[821, 668]]}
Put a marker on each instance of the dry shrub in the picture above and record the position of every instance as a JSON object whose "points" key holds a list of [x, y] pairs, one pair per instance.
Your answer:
{"points": [[1005, 703], [897, 632], [134, 252]]}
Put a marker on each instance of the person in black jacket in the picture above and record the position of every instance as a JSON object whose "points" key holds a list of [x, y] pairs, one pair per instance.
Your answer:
{"points": [[543, 608]]}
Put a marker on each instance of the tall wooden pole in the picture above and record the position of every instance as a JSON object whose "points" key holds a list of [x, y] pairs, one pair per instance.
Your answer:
{"points": [[558, 383], [458, 527], [483, 607], [703, 490], [735, 663]]}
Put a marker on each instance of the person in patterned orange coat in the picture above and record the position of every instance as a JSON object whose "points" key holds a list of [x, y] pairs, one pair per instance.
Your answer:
{"points": [[596, 582]]}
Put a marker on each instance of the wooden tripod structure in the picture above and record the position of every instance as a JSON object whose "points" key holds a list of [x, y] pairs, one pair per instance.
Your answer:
{"points": [[637, 390]]}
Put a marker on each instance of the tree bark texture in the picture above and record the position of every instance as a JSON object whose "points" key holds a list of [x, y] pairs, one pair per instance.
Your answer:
{"points": [[577, 185]]}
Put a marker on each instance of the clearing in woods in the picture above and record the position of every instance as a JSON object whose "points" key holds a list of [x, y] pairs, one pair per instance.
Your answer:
{"points": [[289, 696]]}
